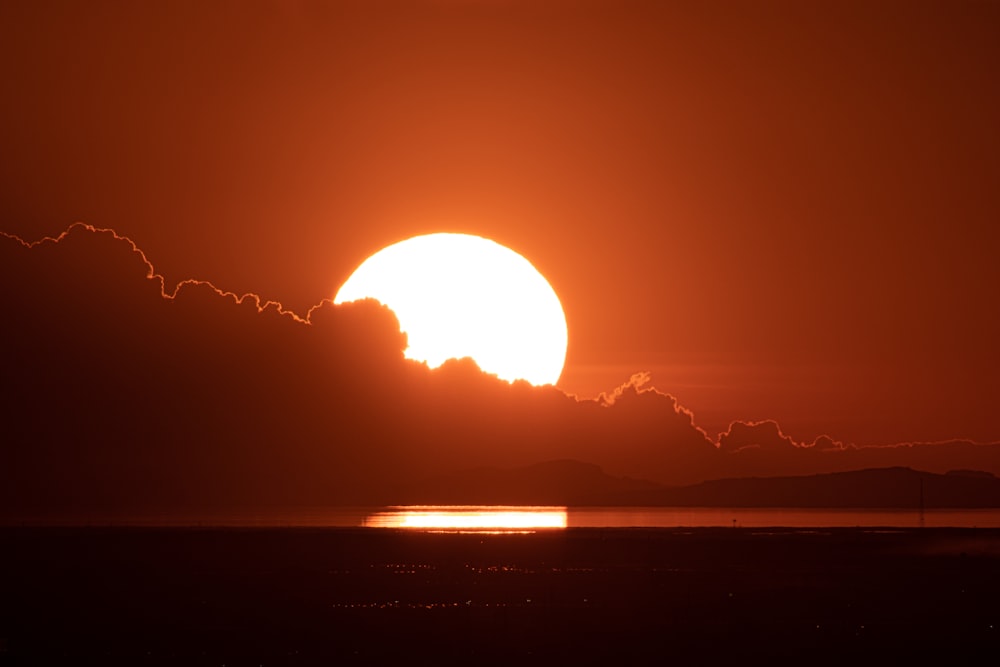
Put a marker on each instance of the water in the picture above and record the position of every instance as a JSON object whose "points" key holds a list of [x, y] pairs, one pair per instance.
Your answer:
{"points": [[497, 518], [527, 518], [553, 518], [744, 517]]}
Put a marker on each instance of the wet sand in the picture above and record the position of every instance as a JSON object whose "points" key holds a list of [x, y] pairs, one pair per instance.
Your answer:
{"points": [[296, 596]]}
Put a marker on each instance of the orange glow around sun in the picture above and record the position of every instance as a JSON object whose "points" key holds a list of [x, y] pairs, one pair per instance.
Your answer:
{"points": [[458, 295]]}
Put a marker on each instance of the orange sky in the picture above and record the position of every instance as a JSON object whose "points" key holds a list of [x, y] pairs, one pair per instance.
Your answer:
{"points": [[782, 210]]}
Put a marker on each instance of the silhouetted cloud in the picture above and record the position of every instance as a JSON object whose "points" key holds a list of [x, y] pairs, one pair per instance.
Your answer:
{"points": [[763, 434], [122, 390], [767, 435]]}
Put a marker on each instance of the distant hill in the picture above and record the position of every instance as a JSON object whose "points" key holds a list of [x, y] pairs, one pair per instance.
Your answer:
{"points": [[574, 483], [877, 487]]}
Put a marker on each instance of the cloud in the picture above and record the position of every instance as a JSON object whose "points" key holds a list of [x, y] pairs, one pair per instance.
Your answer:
{"points": [[763, 434], [123, 391], [767, 435], [633, 387]]}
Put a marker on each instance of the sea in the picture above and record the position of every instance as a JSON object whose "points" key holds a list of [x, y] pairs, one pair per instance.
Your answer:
{"points": [[532, 518]]}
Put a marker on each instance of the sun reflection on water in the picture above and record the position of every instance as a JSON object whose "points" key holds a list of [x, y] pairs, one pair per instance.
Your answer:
{"points": [[478, 518]]}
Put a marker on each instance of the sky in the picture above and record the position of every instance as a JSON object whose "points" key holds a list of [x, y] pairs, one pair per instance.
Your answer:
{"points": [[768, 210]]}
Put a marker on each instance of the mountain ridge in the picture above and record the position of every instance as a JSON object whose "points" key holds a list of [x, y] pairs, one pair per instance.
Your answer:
{"points": [[576, 483]]}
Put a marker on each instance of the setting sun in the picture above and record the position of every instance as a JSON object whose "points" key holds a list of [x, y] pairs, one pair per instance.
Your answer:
{"points": [[458, 295]]}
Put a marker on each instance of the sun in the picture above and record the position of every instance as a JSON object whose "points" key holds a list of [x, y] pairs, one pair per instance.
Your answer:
{"points": [[459, 295]]}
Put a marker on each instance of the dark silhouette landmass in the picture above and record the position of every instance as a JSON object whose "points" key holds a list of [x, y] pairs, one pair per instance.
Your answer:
{"points": [[881, 487], [575, 483]]}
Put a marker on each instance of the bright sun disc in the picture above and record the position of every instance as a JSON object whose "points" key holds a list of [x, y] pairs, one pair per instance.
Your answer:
{"points": [[458, 295]]}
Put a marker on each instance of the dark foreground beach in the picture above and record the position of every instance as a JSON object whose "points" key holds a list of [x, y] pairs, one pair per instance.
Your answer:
{"points": [[291, 596]]}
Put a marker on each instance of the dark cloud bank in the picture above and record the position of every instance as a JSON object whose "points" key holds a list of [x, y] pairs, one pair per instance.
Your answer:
{"points": [[120, 391]]}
